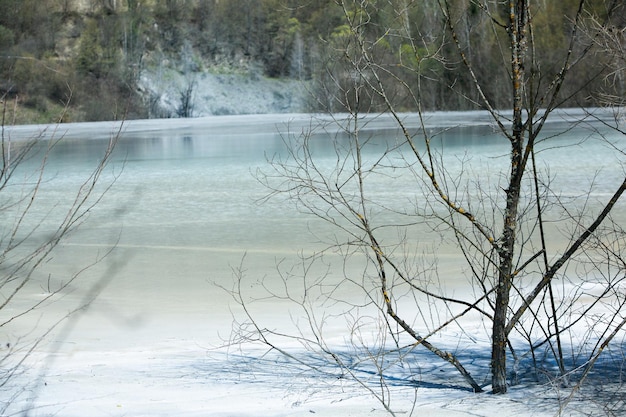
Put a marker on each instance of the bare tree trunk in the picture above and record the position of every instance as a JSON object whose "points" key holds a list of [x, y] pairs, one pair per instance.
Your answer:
{"points": [[517, 28]]}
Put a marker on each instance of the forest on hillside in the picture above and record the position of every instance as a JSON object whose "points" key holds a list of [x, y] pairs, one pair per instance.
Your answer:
{"points": [[80, 60]]}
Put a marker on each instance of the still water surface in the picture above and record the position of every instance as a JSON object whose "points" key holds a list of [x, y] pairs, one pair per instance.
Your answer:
{"points": [[184, 205]]}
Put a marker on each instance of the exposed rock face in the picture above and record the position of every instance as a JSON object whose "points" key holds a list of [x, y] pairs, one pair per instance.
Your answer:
{"points": [[220, 94], [89, 6]]}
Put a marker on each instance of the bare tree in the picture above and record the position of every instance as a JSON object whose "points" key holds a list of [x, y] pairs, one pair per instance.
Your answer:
{"points": [[506, 223], [186, 92], [186, 106]]}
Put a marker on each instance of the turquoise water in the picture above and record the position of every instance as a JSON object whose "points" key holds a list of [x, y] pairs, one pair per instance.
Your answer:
{"points": [[185, 203], [196, 182]]}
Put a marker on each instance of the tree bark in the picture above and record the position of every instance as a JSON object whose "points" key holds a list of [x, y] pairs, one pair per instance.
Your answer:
{"points": [[517, 31]]}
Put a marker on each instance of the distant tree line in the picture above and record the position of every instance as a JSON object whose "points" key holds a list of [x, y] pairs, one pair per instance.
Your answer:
{"points": [[90, 53]]}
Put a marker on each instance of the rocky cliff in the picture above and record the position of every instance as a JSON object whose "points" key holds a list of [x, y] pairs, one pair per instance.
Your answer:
{"points": [[219, 94]]}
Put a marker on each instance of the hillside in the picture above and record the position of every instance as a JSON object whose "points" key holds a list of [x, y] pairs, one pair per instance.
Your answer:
{"points": [[221, 94], [80, 60]]}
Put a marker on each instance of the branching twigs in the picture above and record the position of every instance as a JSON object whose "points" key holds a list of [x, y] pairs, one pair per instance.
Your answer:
{"points": [[23, 249], [361, 211], [445, 7], [313, 341], [504, 232], [544, 252], [384, 287], [571, 250], [448, 357], [427, 163], [590, 364]]}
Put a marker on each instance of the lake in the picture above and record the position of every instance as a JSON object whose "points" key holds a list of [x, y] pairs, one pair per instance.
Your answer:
{"points": [[185, 206]]}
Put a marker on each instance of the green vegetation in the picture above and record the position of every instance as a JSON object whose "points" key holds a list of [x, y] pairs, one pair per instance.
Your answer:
{"points": [[90, 53]]}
